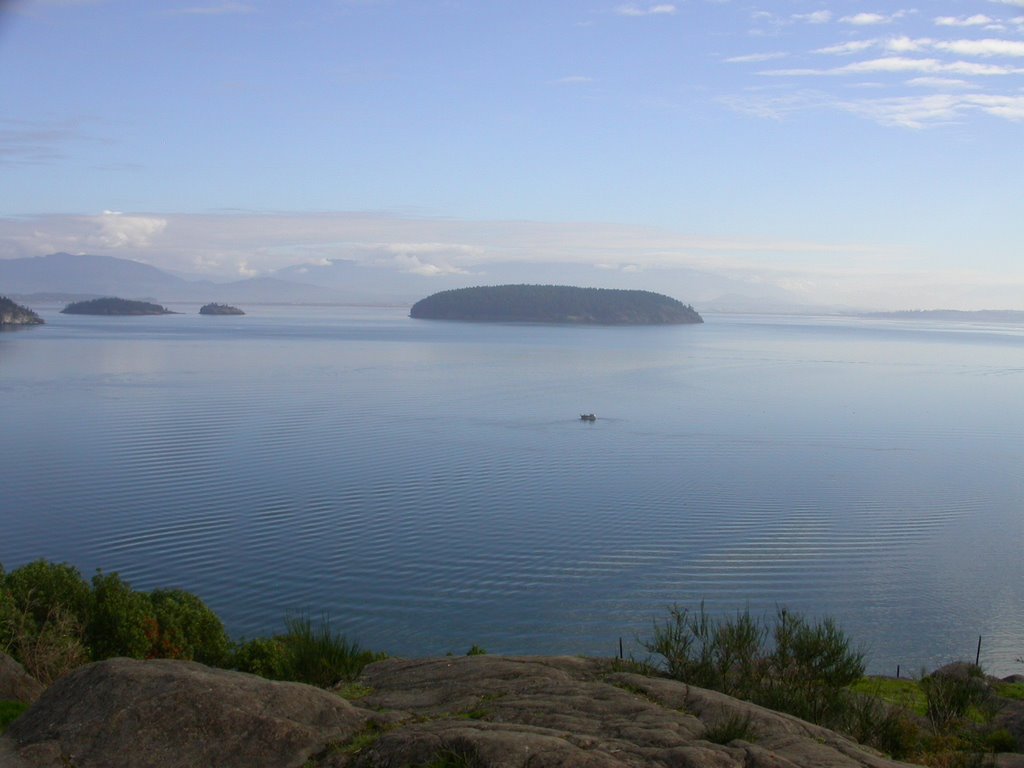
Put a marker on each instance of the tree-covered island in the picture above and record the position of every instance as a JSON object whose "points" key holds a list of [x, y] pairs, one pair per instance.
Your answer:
{"points": [[219, 309], [114, 306], [554, 304], [12, 314]]}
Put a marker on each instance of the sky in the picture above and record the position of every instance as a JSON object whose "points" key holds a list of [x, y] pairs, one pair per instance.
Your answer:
{"points": [[853, 153]]}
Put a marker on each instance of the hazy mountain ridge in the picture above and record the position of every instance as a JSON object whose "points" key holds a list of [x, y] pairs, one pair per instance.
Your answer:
{"points": [[67, 277]]}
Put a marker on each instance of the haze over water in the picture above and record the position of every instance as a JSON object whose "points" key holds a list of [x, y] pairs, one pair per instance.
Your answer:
{"points": [[430, 485]]}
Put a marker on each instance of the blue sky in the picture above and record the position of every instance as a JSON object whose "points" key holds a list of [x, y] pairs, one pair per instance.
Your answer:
{"points": [[861, 153]]}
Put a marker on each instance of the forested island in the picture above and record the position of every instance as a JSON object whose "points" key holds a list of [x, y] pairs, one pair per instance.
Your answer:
{"points": [[12, 314], [114, 306], [554, 304], [219, 309]]}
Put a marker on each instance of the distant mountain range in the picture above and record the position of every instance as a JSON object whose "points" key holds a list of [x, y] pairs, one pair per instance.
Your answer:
{"points": [[67, 277]]}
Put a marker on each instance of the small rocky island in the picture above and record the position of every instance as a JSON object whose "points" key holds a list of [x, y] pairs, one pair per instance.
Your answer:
{"points": [[219, 309], [12, 314], [114, 306], [554, 304]]}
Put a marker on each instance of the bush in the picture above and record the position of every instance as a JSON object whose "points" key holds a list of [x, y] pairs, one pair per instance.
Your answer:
{"points": [[43, 610], [950, 693], [39, 586], [119, 621], [1000, 740], [789, 664], [183, 627], [263, 656]]}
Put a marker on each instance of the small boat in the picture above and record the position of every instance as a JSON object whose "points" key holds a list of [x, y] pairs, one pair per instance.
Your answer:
{"points": [[588, 417]]}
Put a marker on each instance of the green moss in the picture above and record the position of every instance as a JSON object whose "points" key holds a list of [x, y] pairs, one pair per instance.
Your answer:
{"points": [[9, 712], [1011, 691], [354, 691], [903, 693]]}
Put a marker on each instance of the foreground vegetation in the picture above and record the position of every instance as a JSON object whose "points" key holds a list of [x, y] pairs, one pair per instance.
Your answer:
{"points": [[53, 620], [811, 669]]}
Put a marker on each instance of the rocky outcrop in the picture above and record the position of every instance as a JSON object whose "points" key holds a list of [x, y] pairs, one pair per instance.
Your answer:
{"points": [[12, 314], [15, 683], [563, 711], [175, 714], [487, 711]]}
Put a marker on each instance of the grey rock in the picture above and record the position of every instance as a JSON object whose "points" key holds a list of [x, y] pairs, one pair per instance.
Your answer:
{"points": [[16, 684], [484, 711], [174, 714], [509, 712]]}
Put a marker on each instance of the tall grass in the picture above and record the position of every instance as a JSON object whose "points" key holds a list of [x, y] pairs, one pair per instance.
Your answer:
{"points": [[318, 655]]}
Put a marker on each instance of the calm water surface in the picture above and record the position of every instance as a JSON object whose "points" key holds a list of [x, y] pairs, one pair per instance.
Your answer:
{"points": [[430, 485]]}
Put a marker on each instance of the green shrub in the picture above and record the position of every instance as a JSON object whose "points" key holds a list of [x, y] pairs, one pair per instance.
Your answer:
{"points": [[788, 664], [1000, 740], [39, 586], [119, 619], [950, 695], [476, 650], [43, 609], [263, 656], [183, 627]]}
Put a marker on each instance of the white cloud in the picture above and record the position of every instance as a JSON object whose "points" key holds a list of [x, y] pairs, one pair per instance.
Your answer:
{"points": [[902, 64], [756, 57], [116, 230], [938, 82], [573, 80], [632, 9], [816, 17], [977, 20], [904, 44], [1007, 107], [987, 47], [870, 19], [845, 49]]}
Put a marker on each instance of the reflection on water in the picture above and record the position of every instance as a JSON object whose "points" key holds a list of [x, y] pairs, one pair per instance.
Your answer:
{"points": [[430, 485]]}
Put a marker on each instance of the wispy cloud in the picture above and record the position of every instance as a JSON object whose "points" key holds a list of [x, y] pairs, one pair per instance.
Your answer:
{"points": [[573, 80], [816, 17], [943, 83], [847, 48], [917, 112], [902, 64], [872, 19], [985, 48], [977, 20], [756, 57], [35, 143], [633, 9]]}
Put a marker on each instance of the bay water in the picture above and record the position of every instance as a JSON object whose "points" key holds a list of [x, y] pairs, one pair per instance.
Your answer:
{"points": [[430, 485]]}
